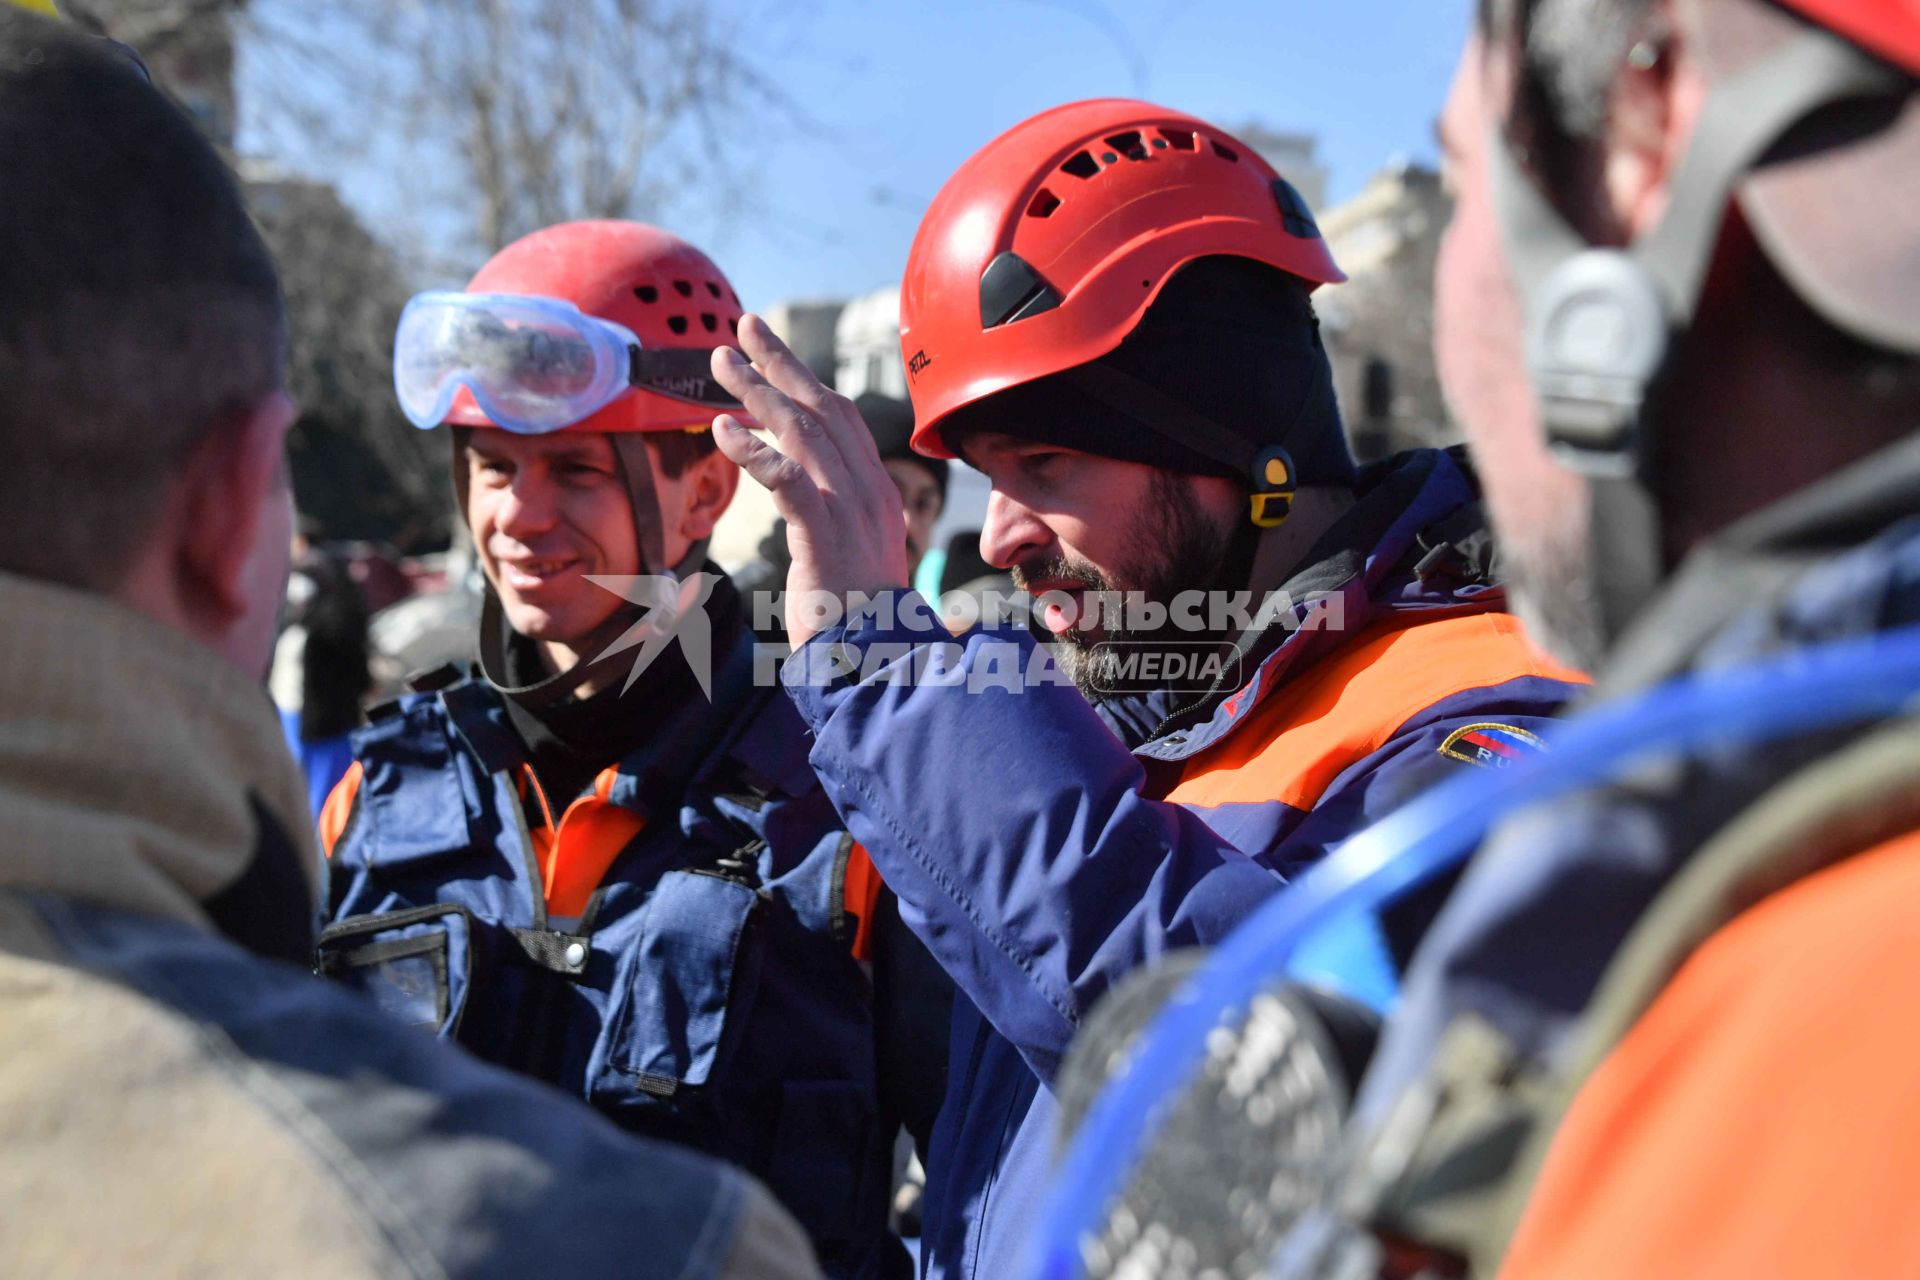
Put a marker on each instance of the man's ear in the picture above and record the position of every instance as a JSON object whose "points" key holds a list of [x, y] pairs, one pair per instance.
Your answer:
{"points": [[712, 481], [1652, 109], [230, 494]]}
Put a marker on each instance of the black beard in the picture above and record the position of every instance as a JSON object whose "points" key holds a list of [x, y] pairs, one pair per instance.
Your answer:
{"points": [[1176, 549]]}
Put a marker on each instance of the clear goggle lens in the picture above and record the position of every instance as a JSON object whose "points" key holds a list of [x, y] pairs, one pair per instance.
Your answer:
{"points": [[532, 364]]}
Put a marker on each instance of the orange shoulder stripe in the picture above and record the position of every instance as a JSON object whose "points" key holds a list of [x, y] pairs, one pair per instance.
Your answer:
{"points": [[1344, 708], [339, 807], [1760, 1119]]}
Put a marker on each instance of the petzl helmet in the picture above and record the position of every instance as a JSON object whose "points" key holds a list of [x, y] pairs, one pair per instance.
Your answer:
{"points": [[1889, 29], [1046, 248]]}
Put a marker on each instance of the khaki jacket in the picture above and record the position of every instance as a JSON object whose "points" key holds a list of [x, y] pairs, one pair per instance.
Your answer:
{"points": [[179, 1096]]}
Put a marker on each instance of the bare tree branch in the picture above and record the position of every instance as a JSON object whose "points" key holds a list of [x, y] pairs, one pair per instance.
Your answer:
{"points": [[526, 112]]}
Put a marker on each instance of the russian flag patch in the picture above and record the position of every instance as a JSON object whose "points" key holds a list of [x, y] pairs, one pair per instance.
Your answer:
{"points": [[1491, 746]]}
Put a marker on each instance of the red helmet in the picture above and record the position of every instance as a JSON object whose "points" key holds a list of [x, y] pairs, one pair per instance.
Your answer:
{"points": [[1047, 246], [1888, 28], [656, 284]]}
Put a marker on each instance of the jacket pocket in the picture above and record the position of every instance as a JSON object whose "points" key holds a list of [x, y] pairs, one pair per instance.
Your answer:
{"points": [[681, 993], [415, 964]]}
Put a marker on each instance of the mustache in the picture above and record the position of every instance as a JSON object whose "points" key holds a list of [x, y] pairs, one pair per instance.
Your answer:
{"points": [[1081, 573]]}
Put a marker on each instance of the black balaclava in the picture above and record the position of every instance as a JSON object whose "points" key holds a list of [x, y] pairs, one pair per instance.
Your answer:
{"points": [[1229, 339]]}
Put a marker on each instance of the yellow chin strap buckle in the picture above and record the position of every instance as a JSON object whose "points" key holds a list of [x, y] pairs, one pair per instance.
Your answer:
{"points": [[1272, 488]]}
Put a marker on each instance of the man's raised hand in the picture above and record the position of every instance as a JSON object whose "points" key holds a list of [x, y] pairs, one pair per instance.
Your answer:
{"points": [[845, 527]]}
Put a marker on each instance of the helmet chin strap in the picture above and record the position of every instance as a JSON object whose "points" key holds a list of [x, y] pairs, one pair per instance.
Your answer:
{"points": [[1604, 325], [596, 659]]}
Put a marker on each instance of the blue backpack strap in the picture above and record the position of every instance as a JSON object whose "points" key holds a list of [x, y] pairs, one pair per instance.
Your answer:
{"points": [[474, 709], [423, 770]]}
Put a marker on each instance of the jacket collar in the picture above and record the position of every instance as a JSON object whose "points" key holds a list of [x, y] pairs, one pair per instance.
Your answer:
{"points": [[681, 732], [655, 773], [139, 771], [1374, 562]]}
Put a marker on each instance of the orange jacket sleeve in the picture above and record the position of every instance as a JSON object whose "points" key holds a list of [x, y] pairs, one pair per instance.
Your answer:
{"points": [[1763, 1117]]}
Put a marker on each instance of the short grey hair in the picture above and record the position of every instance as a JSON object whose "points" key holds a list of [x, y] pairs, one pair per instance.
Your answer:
{"points": [[1576, 48], [1572, 49]]}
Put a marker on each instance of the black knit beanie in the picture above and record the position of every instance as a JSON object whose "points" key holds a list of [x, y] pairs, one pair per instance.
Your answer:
{"points": [[1230, 339]]}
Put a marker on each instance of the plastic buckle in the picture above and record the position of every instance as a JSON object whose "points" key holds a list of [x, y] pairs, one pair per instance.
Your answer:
{"points": [[1273, 488]]}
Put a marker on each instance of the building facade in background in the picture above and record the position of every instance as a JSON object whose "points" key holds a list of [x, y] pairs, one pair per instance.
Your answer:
{"points": [[1379, 325], [867, 346], [1294, 156]]}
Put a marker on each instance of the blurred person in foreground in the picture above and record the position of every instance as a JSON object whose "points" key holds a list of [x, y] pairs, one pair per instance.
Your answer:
{"points": [[1706, 968], [598, 856], [1662, 1025], [1107, 311], [177, 1094]]}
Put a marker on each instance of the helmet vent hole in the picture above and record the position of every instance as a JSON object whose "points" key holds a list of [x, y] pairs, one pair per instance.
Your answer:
{"points": [[1082, 165], [1129, 144], [733, 327], [1182, 139], [1043, 204], [1225, 152], [677, 323], [713, 288], [685, 288], [709, 321], [647, 293]]}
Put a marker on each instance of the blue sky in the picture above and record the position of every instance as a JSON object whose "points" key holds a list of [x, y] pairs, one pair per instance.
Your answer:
{"points": [[903, 92], [909, 90]]}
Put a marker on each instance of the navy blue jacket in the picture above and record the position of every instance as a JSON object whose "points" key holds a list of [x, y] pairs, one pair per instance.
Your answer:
{"points": [[706, 992]]}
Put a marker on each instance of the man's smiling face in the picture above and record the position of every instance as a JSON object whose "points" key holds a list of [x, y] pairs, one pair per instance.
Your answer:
{"points": [[545, 512]]}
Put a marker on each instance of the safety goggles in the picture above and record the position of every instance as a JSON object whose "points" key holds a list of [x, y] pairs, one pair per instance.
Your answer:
{"points": [[531, 364]]}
